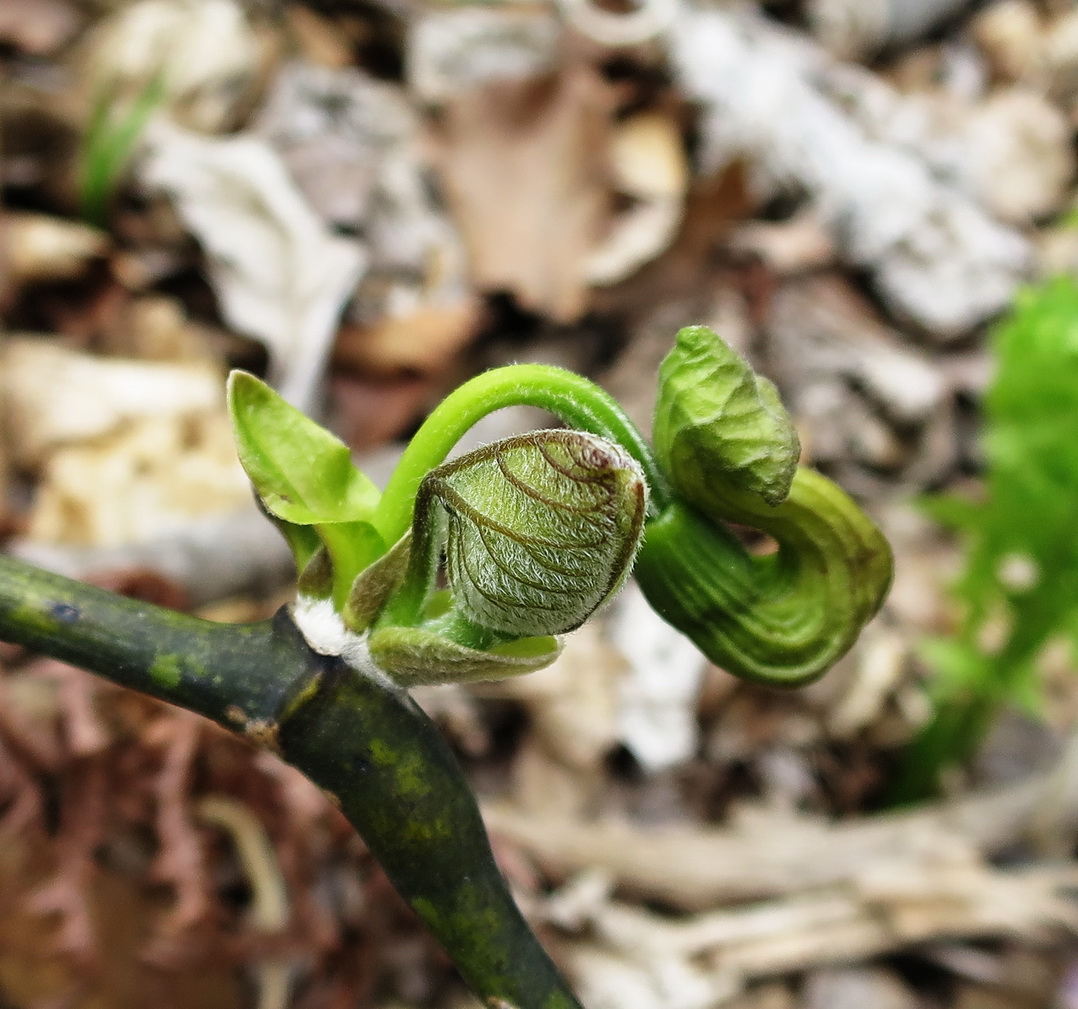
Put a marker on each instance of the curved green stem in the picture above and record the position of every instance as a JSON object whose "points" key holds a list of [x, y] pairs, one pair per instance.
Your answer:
{"points": [[366, 743], [578, 402], [233, 674], [782, 619]]}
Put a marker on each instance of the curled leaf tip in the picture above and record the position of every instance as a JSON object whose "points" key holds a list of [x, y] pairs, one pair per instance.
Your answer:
{"points": [[716, 420], [730, 451]]}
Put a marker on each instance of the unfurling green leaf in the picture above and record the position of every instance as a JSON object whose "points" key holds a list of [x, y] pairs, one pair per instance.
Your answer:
{"points": [[541, 529], [414, 656], [729, 450], [304, 477], [301, 472], [717, 422]]}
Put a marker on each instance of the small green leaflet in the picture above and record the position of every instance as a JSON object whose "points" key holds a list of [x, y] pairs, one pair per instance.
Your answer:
{"points": [[302, 473]]}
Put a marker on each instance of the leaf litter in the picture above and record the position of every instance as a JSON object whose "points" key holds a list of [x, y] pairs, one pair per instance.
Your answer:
{"points": [[366, 205]]}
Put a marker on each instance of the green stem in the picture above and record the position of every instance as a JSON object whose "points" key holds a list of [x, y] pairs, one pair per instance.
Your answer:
{"points": [[577, 401], [948, 740], [963, 715], [233, 674], [782, 619], [366, 743]]}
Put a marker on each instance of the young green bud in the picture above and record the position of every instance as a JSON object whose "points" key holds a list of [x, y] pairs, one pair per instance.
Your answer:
{"points": [[717, 422], [540, 529]]}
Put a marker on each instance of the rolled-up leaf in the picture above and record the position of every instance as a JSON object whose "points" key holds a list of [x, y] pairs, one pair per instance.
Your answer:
{"points": [[541, 529], [717, 422]]}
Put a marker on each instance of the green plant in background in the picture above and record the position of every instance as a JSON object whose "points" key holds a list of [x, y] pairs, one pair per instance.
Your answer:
{"points": [[1019, 585], [536, 533], [111, 137]]}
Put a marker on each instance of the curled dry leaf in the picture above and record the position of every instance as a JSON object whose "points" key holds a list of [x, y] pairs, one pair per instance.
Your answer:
{"points": [[279, 273], [651, 167], [865, 400]]}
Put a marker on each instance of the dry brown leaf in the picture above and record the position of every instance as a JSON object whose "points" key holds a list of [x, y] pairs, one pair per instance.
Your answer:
{"points": [[369, 413], [38, 27], [422, 341], [317, 38], [525, 167], [155, 327]]}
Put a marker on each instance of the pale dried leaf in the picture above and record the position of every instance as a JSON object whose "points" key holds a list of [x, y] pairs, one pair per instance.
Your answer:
{"points": [[450, 51], [649, 165], [524, 167], [53, 396], [657, 699], [936, 257], [279, 273], [142, 481], [38, 247]]}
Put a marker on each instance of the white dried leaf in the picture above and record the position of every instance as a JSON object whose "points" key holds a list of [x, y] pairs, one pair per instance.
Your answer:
{"points": [[279, 273], [452, 50], [936, 257]]}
